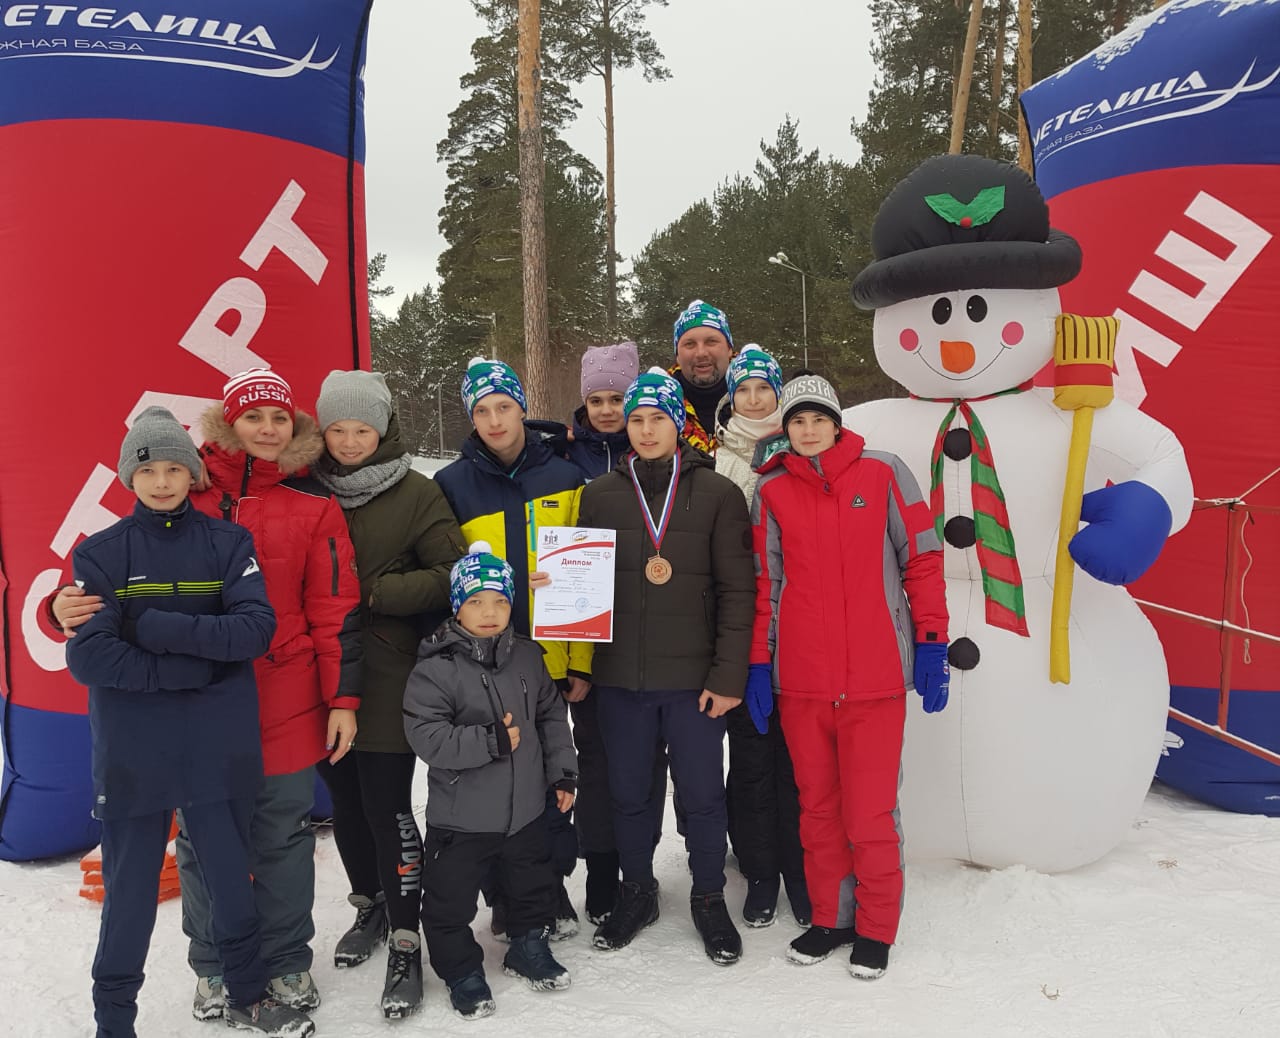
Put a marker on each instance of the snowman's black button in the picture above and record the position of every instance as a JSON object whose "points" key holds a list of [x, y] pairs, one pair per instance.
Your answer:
{"points": [[957, 444], [959, 532], [963, 654]]}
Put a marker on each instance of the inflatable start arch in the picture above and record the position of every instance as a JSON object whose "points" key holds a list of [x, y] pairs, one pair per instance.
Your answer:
{"points": [[181, 197], [1160, 153]]}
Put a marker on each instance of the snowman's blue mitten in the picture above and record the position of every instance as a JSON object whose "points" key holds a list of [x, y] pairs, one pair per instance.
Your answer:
{"points": [[932, 675], [1128, 525], [760, 695]]}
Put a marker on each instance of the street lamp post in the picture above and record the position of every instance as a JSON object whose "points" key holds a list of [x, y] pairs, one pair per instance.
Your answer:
{"points": [[780, 259]]}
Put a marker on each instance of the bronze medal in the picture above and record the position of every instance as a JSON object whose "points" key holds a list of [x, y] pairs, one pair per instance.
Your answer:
{"points": [[657, 570]]}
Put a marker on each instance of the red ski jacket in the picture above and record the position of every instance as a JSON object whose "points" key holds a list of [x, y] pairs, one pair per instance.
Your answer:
{"points": [[302, 543], [848, 571]]}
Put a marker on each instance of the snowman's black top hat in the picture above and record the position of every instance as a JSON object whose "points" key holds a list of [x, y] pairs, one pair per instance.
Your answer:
{"points": [[961, 222]]}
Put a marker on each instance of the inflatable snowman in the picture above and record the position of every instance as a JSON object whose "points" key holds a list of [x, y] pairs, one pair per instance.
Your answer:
{"points": [[1017, 770]]}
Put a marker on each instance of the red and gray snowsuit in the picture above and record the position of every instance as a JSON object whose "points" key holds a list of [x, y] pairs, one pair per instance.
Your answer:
{"points": [[849, 578]]}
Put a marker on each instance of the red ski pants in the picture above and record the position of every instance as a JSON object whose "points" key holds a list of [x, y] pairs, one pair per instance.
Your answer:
{"points": [[847, 758]]}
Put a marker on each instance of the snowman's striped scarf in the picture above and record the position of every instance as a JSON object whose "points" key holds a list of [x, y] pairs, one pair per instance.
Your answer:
{"points": [[997, 556]]}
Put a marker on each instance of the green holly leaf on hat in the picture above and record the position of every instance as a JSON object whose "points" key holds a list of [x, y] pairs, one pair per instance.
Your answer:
{"points": [[983, 209]]}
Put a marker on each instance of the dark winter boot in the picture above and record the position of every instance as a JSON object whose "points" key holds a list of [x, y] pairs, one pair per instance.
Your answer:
{"points": [[530, 958], [602, 885], [402, 990], [801, 906], [566, 917], [471, 998], [366, 933], [817, 942], [869, 959], [269, 1017], [761, 905], [635, 908], [720, 938]]}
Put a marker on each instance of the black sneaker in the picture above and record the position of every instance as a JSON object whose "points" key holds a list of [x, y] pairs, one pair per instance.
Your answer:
{"points": [[801, 906], [636, 907], [761, 906], [566, 917], [869, 959], [530, 958], [367, 933], [402, 990], [720, 938], [602, 885], [817, 942], [471, 998], [270, 1018]]}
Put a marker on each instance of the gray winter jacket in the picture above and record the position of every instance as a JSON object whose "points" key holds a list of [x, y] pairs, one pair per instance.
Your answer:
{"points": [[454, 703]]}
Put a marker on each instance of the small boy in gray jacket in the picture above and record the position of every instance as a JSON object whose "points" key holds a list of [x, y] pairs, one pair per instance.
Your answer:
{"points": [[482, 711]]}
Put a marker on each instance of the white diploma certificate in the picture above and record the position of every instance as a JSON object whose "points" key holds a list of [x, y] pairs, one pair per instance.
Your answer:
{"points": [[578, 606]]}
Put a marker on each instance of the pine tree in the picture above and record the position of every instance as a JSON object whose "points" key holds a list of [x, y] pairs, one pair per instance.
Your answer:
{"points": [[480, 270]]}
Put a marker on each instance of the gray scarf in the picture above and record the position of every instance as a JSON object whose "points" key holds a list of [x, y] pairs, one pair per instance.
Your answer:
{"points": [[364, 484]]}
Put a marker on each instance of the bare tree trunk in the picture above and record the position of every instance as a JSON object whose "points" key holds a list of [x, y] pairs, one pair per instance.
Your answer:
{"points": [[610, 212], [961, 109], [997, 80], [1024, 81], [533, 250]]}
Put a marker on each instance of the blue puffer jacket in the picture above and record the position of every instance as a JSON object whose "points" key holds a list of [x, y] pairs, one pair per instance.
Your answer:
{"points": [[173, 705], [595, 453]]}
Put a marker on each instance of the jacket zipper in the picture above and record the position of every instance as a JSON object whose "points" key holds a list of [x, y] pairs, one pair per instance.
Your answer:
{"points": [[528, 709], [224, 506], [333, 562], [248, 471], [511, 757]]}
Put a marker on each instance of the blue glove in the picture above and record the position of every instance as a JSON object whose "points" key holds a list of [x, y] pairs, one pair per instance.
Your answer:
{"points": [[760, 695], [932, 674], [1128, 525]]}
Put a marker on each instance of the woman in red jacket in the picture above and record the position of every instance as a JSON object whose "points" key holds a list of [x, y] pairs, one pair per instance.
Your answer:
{"points": [[847, 559], [257, 449]]}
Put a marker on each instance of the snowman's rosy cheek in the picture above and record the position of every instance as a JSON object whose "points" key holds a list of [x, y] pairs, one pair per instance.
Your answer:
{"points": [[1011, 333], [908, 339]]}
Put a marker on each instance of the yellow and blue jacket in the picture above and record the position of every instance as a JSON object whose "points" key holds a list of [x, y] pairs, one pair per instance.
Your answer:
{"points": [[505, 506]]}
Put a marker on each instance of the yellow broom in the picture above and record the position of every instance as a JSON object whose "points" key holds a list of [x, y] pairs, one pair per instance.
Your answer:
{"points": [[1083, 357]]}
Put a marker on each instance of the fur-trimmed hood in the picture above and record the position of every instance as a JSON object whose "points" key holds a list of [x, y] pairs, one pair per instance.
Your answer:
{"points": [[306, 446]]}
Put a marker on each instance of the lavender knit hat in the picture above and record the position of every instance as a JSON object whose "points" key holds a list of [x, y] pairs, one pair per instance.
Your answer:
{"points": [[609, 367]]}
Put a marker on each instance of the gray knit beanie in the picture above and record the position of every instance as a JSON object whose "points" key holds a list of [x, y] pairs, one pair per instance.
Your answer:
{"points": [[156, 436], [809, 392], [354, 396]]}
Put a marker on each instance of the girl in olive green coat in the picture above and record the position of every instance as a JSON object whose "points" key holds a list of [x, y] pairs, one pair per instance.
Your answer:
{"points": [[406, 541]]}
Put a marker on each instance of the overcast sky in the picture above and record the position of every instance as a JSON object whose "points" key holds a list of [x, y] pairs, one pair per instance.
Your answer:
{"points": [[738, 68]]}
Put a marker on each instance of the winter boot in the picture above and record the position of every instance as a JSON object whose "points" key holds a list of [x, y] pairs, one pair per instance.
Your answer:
{"points": [[869, 959], [498, 920], [801, 906], [295, 990], [366, 933], [471, 998], [566, 917], [211, 999], [530, 957], [817, 942], [635, 908], [602, 885], [761, 906], [402, 991], [720, 938], [269, 1017]]}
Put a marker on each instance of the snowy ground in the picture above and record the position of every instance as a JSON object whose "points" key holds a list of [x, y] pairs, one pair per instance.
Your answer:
{"points": [[1176, 933]]}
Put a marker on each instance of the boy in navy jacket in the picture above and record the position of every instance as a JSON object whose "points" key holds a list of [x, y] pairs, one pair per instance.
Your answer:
{"points": [[173, 712]]}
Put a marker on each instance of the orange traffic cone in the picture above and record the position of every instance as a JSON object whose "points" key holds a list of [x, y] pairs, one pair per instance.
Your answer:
{"points": [[91, 872]]}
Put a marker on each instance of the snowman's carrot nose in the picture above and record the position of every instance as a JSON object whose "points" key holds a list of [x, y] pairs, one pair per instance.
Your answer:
{"points": [[958, 355]]}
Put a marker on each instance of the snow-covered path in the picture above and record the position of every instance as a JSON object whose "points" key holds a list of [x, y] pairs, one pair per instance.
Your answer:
{"points": [[1176, 933]]}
